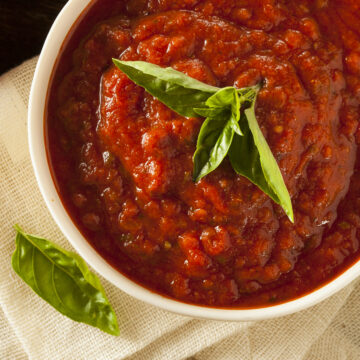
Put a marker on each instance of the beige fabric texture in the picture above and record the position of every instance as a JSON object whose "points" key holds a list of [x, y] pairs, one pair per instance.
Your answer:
{"points": [[31, 329]]}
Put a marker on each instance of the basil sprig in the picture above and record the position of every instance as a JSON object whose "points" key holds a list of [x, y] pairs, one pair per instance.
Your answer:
{"points": [[63, 279], [230, 126]]}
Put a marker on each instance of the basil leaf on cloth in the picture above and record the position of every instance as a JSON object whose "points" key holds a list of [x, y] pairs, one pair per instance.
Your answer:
{"points": [[63, 279], [251, 157], [176, 90]]}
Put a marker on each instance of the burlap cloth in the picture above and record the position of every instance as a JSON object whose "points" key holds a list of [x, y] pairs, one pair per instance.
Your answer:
{"points": [[31, 329]]}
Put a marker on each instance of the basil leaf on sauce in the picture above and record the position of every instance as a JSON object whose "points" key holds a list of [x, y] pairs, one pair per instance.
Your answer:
{"points": [[63, 279], [217, 131], [251, 157], [230, 126], [211, 112], [213, 144], [176, 90], [227, 98]]}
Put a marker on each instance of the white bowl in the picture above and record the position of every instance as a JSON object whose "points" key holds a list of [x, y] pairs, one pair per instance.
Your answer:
{"points": [[50, 51]]}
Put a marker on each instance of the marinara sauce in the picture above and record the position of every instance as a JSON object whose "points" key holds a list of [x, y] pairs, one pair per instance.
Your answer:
{"points": [[122, 161]]}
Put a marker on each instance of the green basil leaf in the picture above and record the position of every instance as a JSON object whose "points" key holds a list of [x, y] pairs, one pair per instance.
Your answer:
{"points": [[227, 98], [212, 112], [235, 110], [213, 144], [245, 159], [63, 279], [251, 157], [223, 97], [178, 91]]}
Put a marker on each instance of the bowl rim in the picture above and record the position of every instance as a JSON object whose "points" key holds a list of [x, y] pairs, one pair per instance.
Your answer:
{"points": [[36, 117]]}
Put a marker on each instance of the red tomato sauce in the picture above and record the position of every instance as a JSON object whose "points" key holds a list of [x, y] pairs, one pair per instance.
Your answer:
{"points": [[122, 161]]}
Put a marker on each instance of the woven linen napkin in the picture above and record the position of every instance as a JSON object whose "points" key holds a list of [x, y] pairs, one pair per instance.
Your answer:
{"points": [[31, 329]]}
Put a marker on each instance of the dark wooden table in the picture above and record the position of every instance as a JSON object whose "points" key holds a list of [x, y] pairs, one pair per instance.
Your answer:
{"points": [[23, 28]]}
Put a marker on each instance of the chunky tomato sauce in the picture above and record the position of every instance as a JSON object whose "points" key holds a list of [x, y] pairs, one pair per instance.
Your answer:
{"points": [[122, 161]]}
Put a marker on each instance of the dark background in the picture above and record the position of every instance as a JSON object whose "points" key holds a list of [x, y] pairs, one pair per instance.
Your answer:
{"points": [[23, 28]]}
